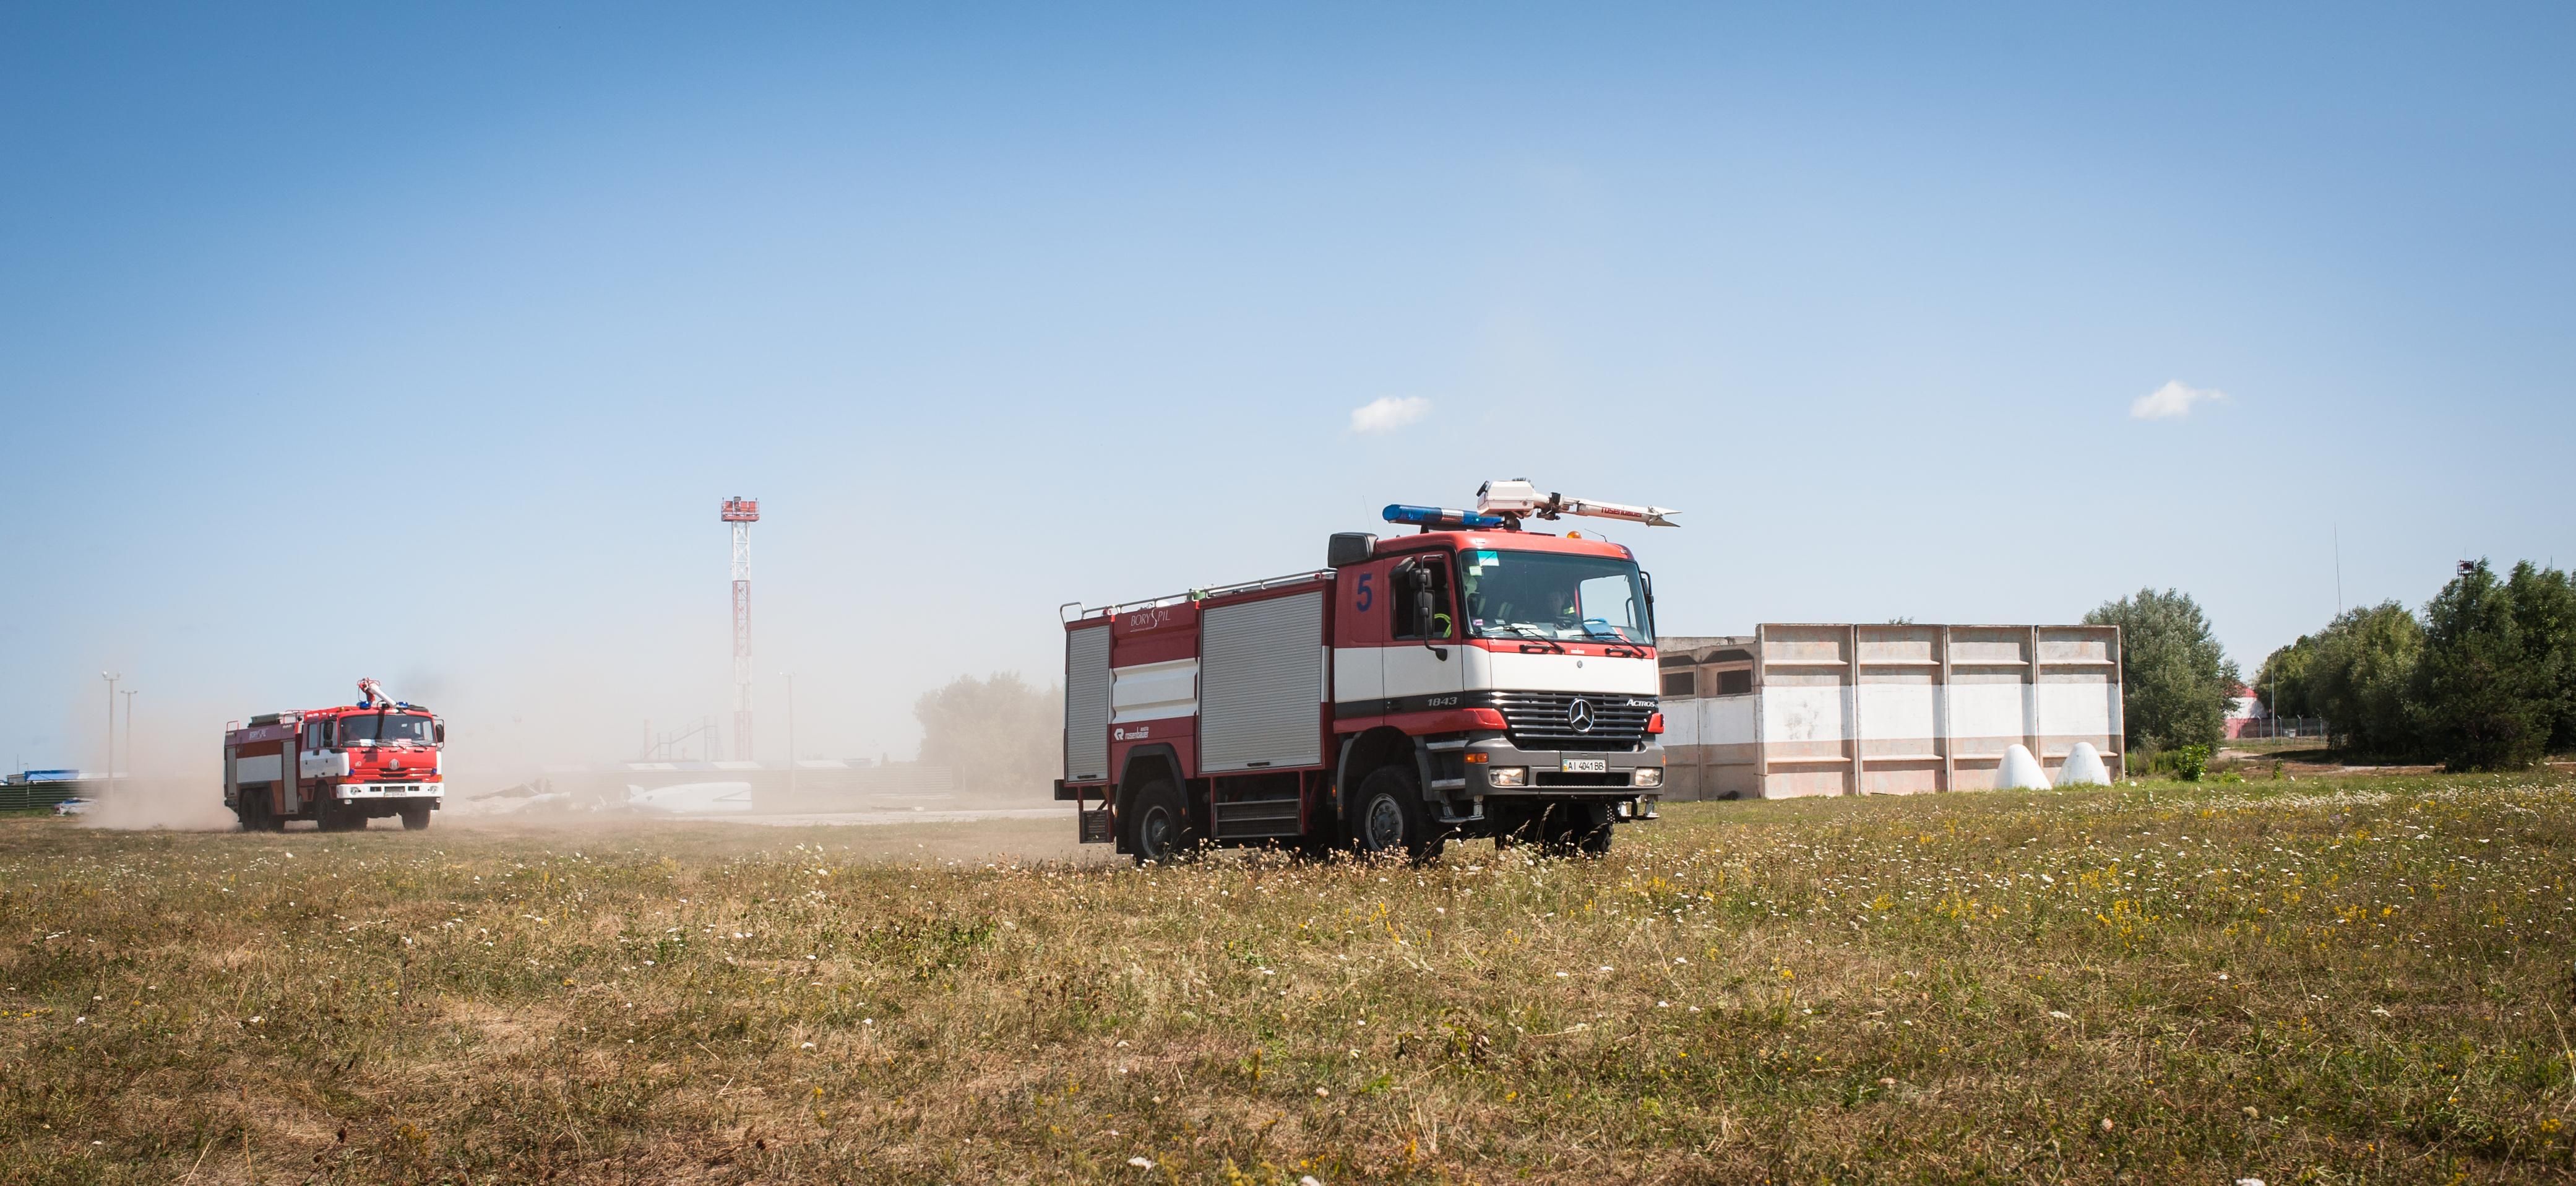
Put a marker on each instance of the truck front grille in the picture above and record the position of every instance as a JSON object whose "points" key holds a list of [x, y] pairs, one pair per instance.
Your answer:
{"points": [[1547, 720]]}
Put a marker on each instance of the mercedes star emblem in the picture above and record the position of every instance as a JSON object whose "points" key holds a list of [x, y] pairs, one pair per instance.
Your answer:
{"points": [[1579, 715]]}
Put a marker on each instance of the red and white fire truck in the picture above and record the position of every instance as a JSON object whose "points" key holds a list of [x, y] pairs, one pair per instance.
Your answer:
{"points": [[1478, 678], [338, 767]]}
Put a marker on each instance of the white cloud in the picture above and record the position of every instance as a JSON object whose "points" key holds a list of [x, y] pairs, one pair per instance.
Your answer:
{"points": [[2172, 401], [1388, 413]]}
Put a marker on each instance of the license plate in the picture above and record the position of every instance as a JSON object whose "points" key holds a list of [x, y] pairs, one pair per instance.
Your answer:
{"points": [[1587, 765]]}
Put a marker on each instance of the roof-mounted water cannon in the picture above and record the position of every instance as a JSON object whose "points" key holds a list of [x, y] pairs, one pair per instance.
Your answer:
{"points": [[1514, 499], [372, 695]]}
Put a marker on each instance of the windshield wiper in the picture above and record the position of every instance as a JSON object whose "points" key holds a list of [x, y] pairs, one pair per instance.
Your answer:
{"points": [[1528, 631]]}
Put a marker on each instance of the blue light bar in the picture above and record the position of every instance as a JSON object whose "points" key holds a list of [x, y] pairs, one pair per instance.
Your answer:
{"points": [[1438, 517]]}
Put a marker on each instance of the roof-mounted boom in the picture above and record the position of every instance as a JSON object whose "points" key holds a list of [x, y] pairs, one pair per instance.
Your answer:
{"points": [[372, 695], [1515, 498]]}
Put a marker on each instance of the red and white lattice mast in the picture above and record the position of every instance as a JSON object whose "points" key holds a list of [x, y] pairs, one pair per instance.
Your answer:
{"points": [[742, 513]]}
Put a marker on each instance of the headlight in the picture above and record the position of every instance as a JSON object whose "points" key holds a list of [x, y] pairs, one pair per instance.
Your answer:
{"points": [[1507, 776], [1647, 776]]}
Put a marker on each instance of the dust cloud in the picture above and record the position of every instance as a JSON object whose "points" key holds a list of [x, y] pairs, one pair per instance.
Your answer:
{"points": [[182, 805], [978, 790]]}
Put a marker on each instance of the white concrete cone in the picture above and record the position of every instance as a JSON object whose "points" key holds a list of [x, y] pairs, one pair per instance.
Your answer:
{"points": [[2084, 768], [2020, 772]]}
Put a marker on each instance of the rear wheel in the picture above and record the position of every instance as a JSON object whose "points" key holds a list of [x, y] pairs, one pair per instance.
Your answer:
{"points": [[1158, 825], [415, 817], [1390, 818], [257, 814]]}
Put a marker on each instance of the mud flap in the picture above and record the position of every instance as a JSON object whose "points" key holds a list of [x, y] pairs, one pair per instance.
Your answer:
{"points": [[1097, 827]]}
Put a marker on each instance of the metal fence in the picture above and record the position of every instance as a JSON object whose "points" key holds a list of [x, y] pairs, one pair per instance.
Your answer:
{"points": [[2265, 728], [36, 796]]}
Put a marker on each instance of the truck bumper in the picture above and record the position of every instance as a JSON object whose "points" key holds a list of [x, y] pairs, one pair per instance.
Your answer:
{"points": [[1496, 767], [390, 790]]}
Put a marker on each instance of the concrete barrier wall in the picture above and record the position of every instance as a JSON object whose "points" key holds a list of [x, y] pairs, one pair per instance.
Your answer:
{"points": [[1813, 709]]}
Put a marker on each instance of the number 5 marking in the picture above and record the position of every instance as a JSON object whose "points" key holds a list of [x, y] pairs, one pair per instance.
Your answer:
{"points": [[1367, 596]]}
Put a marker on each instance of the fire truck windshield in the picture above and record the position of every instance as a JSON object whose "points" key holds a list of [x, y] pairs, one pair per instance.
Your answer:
{"points": [[383, 728], [1549, 596]]}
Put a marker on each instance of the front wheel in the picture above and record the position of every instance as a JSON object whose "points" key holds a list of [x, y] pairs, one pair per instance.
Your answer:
{"points": [[331, 815], [1390, 817], [1577, 828], [415, 817], [1158, 825]]}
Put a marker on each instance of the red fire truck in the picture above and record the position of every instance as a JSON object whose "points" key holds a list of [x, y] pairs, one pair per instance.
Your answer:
{"points": [[338, 767], [1478, 678]]}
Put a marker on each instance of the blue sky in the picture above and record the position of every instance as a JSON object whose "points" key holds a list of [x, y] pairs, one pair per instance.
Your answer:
{"points": [[347, 340]]}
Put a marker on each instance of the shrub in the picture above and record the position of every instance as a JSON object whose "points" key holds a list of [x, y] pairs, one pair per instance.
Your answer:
{"points": [[2190, 762]]}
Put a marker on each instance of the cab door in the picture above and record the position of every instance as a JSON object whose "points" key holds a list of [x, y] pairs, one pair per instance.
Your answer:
{"points": [[1359, 639], [1425, 666]]}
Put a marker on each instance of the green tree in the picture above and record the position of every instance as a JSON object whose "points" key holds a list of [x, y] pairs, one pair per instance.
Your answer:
{"points": [[998, 735], [2179, 681], [2282, 684], [2359, 677], [2544, 609], [2484, 690]]}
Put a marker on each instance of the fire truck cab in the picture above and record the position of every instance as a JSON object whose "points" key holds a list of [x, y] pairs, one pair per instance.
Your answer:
{"points": [[338, 767], [1476, 679]]}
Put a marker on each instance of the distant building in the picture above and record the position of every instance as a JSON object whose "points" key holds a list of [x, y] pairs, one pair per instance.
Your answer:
{"points": [[2246, 714], [1794, 710]]}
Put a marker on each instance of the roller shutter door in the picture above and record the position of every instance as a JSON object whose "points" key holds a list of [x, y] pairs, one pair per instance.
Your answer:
{"points": [[1261, 681], [1086, 704]]}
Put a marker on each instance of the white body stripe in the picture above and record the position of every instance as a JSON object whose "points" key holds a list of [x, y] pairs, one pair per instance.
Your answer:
{"points": [[1154, 691], [1359, 673], [1551, 672], [1374, 673], [1419, 671]]}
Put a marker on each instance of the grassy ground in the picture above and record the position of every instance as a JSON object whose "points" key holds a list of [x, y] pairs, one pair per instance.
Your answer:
{"points": [[2355, 980]]}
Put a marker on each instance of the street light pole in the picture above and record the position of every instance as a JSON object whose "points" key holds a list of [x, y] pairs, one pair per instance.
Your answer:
{"points": [[129, 733], [111, 679], [791, 735]]}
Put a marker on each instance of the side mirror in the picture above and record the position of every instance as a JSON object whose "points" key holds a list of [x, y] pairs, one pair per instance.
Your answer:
{"points": [[1347, 548], [437, 731]]}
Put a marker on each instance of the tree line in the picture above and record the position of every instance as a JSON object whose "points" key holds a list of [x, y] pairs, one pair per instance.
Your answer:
{"points": [[2483, 678]]}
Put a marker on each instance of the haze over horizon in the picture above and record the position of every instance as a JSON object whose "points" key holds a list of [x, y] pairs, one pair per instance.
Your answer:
{"points": [[341, 342]]}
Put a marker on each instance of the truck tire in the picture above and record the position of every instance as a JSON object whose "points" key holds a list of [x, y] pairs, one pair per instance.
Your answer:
{"points": [[1573, 829], [1390, 817], [255, 813], [1158, 825], [334, 816], [415, 817]]}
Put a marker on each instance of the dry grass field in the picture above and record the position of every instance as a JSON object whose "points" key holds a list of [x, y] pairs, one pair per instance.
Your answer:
{"points": [[2355, 980]]}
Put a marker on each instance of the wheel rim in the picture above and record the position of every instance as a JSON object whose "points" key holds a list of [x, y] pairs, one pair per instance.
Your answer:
{"points": [[1154, 834], [1383, 824]]}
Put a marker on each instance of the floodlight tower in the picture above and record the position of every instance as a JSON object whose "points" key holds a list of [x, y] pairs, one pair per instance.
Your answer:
{"points": [[741, 513]]}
